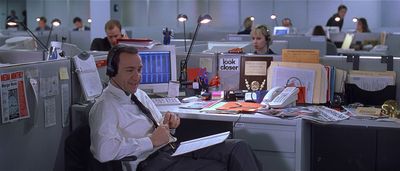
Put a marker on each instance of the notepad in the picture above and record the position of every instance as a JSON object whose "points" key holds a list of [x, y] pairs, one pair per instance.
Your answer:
{"points": [[199, 143]]}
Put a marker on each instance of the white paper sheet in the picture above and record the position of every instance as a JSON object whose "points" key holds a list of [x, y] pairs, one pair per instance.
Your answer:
{"points": [[199, 143], [66, 103], [206, 63], [173, 89], [49, 111]]}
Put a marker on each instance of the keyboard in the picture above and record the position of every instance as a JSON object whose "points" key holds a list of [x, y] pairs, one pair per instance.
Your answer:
{"points": [[166, 101]]}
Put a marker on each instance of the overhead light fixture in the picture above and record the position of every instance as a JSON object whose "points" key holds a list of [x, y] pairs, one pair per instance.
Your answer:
{"points": [[183, 18], [183, 74], [355, 19], [337, 19]]}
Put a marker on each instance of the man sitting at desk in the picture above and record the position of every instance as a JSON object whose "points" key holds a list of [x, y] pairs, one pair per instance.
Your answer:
{"points": [[113, 32], [125, 122]]}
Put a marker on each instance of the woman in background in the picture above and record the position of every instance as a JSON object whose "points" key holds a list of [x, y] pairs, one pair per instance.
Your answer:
{"points": [[362, 26], [261, 40]]}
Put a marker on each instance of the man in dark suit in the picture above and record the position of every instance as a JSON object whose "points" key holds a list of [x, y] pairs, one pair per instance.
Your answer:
{"points": [[79, 25], [113, 32], [337, 18]]}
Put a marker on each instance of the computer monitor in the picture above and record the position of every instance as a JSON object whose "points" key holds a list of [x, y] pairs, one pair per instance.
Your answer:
{"points": [[280, 30], [347, 41], [159, 67]]}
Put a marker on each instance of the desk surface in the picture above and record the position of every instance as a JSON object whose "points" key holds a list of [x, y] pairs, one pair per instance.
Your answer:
{"points": [[264, 119], [361, 53]]}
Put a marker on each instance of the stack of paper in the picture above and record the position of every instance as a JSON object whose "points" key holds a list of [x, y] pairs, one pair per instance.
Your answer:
{"points": [[372, 80], [313, 76]]}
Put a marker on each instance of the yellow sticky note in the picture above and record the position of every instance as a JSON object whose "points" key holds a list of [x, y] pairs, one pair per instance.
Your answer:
{"points": [[64, 73]]}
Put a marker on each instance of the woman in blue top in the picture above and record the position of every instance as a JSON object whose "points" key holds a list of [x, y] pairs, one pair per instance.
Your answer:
{"points": [[261, 40]]}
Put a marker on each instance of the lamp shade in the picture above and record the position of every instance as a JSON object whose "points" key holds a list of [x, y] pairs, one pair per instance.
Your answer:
{"points": [[37, 19], [182, 17], [89, 20], [204, 19], [273, 16], [337, 19], [355, 19], [56, 22], [12, 23], [252, 18]]}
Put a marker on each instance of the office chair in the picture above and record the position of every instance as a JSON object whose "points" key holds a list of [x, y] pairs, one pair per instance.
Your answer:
{"points": [[331, 48], [78, 156]]}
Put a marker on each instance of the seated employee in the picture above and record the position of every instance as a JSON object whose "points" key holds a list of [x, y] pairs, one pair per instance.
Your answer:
{"points": [[125, 122], [287, 22], [362, 26], [113, 32], [247, 24], [42, 26], [79, 25], [261, 40]]}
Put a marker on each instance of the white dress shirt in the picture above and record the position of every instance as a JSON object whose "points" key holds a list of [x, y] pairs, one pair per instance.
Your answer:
{"points": [[118, 128]]}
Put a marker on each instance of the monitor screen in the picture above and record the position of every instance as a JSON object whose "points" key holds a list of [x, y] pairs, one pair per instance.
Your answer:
{"points": [[159, 67], [156, 67], [279, 30], [347, 41]]}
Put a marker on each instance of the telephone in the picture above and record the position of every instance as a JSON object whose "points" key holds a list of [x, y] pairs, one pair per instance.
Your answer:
{"points": [[279, 97]]}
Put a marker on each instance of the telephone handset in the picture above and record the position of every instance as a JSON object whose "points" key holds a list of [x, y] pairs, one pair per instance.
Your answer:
{"points": [[279, 97]]}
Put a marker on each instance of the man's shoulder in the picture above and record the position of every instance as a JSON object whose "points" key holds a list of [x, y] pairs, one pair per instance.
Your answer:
{"points": [[100, 44]]}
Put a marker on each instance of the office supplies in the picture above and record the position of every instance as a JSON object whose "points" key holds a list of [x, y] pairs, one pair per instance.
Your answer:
{"points": [[166, 101], [240, 107], [300, 55], [199, 143], [287, 96], [88, 75]]}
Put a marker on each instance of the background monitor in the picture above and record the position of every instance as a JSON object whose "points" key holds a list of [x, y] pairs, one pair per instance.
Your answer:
{"points": [[159, 67], [347, 41], [280, 30]]}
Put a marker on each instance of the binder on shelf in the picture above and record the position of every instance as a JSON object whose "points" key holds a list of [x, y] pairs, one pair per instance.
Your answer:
{"points": [[300, 55]]}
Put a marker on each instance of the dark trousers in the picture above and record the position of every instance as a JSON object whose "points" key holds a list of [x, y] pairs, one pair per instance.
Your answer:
{"points": [[231, 155]]}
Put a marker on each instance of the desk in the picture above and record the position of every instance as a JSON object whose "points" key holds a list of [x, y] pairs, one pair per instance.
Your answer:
{"points": [[280, 144], [361, 52]]}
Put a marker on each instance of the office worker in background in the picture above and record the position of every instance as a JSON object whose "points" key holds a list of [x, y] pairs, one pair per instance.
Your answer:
{"points": [[330, 46], [247, 24], [113, 32], [12, 17], [362, 26], [287, 22], [42, 26], [79, 25], [261, 38], [341, 13], [125, 122]]}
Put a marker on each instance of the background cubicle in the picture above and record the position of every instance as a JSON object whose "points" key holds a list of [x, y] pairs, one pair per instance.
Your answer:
{"points": [[27, 144]]}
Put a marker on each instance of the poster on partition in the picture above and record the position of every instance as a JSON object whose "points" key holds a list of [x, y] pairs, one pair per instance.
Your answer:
{"points": [[14, 104]]}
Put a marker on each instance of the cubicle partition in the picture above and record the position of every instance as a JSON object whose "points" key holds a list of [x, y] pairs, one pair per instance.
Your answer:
{"points": [[304, 42], [199, 60], [33, 131], [81, 39]]}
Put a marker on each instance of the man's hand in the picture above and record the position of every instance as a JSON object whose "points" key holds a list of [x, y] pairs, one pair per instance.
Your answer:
{"points": [[160, 135], [172, 120]]}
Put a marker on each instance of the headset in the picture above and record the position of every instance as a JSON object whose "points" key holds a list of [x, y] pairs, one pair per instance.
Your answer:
{"points": [[112, 66], [268, 35]]}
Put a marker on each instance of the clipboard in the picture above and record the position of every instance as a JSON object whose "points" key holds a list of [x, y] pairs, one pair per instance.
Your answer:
{"points": [[254, 69], [85, 68]]}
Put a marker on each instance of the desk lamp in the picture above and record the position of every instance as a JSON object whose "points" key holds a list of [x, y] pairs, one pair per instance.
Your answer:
{"points": [[30, 33], [55, 23], [355, 19], [274, 17], [183, 18], [201, 20]]}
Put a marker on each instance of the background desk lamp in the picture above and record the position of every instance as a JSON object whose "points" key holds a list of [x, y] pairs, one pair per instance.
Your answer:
{"points": [[55, 23], [183, 74], [275, 18], [183, 18], [30, 33]]}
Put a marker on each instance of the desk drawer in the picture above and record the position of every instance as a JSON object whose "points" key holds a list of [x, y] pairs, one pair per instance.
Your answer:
{"points": [[277, 138], [276, 161]]}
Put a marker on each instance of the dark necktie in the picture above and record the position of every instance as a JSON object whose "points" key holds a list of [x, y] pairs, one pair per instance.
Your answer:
{"points": [[144, 109]]}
